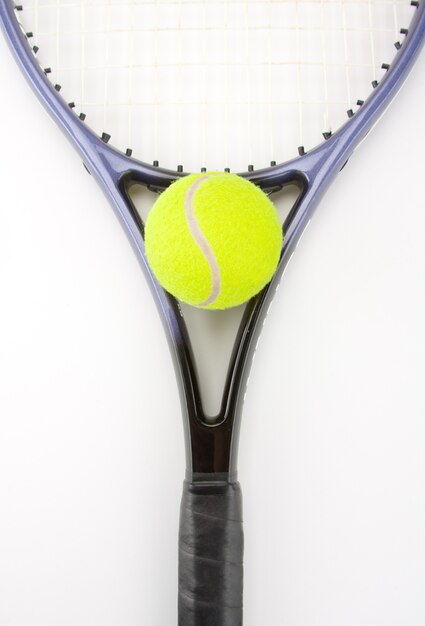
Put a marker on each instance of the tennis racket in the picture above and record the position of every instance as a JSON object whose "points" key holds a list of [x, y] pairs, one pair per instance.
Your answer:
{"points": [[281, 91]]}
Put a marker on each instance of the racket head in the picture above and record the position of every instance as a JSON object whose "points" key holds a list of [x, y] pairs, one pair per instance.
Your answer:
{"points": [[150, 78]]}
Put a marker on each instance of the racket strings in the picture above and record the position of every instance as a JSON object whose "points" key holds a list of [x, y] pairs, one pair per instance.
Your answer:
{"points": [[215, 83]]}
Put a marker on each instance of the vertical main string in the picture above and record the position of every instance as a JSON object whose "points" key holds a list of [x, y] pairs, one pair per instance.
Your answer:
{"points": [[83, 54], [205, 109], [396, 26], [131, 64], [271, 139], [156, 26], [346, 56], [247, 72], [299, 89], [57, 39], [180, 80], [226, 144], [371, 38], [107, 8], [326, 117], [36, 17]]}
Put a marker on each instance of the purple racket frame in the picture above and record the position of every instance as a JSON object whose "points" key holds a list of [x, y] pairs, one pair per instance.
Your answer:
{"points": [[211, 445]]}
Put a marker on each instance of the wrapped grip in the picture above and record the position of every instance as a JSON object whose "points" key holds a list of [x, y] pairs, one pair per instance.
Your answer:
{"points": [[210, 555]]}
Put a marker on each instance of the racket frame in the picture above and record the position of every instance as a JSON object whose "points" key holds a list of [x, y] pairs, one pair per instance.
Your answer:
{"points": [[211, 445]]}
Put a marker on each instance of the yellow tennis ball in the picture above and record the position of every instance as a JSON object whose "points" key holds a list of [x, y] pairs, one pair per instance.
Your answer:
{"points": [[213, 240]]}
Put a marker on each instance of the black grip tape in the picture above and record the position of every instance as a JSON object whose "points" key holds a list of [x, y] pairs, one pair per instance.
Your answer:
{"points": [[210, 555]]}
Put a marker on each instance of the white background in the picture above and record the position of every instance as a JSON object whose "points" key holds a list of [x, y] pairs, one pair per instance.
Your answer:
{"points": [[333, 438]]}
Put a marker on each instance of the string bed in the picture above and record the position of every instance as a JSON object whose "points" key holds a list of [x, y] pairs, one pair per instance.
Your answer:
{"points": [[215, 83]]}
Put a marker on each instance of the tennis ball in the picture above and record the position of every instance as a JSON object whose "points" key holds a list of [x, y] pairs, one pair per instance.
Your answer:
{"points": [[213, 240]]}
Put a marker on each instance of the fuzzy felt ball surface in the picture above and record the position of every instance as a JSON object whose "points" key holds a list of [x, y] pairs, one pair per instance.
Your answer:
{"points": [[213, 240]]}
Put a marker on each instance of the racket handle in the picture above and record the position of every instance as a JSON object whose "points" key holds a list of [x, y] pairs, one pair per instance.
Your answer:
{"points": [[210, 555]]}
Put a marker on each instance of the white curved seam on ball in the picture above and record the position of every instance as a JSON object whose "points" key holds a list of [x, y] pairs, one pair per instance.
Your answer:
{"points": [[202, 241]]}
